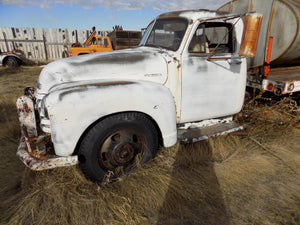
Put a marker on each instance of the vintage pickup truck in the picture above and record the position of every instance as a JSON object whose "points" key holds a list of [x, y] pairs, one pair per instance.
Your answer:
{"points": [[13, 58], [111, 111]]}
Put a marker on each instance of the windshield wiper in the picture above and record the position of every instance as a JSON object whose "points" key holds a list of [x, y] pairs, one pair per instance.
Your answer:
{"points": [[153, 45]]}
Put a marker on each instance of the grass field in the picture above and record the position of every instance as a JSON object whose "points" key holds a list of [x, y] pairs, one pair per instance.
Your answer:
{"points": [[224, 180]]}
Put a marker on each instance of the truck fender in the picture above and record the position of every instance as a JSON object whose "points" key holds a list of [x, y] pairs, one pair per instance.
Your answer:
{"points": [[74, 109]]}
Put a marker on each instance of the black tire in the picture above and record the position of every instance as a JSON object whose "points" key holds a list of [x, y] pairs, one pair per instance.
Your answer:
{"points": [[116, 146], [12, 62]]}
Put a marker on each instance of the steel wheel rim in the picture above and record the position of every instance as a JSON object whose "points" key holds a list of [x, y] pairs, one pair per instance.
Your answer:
{"points": [[122, 148]]}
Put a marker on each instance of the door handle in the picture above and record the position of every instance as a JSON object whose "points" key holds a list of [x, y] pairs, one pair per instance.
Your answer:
{"points": [[234, 61]]}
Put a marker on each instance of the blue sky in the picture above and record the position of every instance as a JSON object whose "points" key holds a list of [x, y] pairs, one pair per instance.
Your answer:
{"points": [[84, 14]]}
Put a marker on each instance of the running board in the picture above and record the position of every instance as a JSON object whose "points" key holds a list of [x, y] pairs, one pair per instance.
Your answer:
{"points": [[196, 134]]}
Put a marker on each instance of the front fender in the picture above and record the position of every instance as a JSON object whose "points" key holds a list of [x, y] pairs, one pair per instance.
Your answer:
{"points": [[1, 59], [4, 58], [72, 110]]}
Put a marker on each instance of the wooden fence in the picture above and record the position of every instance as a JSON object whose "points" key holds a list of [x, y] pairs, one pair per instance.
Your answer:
{"points": [[42, 44]]}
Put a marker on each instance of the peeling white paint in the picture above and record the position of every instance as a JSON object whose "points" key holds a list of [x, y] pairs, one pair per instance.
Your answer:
{"points": [[170, 87], [72, 110], [135, 64]]}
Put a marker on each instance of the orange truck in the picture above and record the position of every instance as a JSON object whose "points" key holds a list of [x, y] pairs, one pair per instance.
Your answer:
{"points": [[91, 45], [115, 40]]}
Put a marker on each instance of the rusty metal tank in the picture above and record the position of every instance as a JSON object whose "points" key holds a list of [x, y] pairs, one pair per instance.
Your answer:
{"points": [[281, 20]]}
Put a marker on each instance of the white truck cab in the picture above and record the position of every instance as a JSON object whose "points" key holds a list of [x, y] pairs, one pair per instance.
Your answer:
{"points": [[110, 111]]}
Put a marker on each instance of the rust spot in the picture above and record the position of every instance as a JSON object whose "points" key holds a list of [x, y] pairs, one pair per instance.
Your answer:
{"points": [[26, 108], [250, 35], [231, 7]]}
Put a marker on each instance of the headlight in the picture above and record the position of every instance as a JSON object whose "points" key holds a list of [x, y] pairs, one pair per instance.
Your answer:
{"points": [[44, 111]]}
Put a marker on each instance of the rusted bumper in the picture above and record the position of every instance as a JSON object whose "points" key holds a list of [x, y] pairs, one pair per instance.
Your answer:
{"points": [[43, 162], [35, 148]]}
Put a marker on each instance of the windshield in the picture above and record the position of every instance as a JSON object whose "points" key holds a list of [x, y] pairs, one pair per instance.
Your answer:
{"points": [[166, 33]]}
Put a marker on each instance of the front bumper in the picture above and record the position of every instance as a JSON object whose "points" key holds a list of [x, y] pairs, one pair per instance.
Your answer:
{"points": [[43, 161], [35, 148]]}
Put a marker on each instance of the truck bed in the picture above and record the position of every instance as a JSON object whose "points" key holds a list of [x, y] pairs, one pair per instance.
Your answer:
{"points": [[123, 39], [285, 80], [285, 74]]}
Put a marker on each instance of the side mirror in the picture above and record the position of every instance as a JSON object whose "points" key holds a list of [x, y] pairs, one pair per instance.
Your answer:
{"points": [[252, 24]]}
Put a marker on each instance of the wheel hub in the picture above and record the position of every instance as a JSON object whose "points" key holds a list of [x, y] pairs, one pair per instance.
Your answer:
{"points": [[123, 154], [121, 148]]}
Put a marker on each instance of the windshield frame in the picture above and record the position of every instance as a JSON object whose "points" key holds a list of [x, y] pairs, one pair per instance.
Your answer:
{"points": [[146, 33], [158, 22]]}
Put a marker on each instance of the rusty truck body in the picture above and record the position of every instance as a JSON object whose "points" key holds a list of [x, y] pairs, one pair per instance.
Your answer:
{"points": [[275, 68], [111, 111]]}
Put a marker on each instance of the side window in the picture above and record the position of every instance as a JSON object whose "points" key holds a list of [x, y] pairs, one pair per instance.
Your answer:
{"points": [[212, 38], [93, 41], [200, 42], [103, 41]]}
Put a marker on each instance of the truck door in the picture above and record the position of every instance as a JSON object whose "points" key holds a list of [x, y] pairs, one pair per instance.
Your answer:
{"points": [[213, 75]]}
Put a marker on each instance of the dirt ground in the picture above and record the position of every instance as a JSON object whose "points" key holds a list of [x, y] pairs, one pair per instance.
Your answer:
{"points": [[230, 179]]}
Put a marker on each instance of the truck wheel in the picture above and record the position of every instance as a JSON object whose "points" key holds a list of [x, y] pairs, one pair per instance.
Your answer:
{"points": [[12, 62], [116, 146]]}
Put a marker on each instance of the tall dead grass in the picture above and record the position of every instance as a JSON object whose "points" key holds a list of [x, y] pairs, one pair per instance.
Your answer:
{"points": [[224, 180]]}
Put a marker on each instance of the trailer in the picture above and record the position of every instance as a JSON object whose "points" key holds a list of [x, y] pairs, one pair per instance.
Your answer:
{"points": [[276, 66], [123, 39]]}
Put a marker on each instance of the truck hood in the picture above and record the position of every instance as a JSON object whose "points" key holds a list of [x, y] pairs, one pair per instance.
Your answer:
{"points": [[131, 64]]}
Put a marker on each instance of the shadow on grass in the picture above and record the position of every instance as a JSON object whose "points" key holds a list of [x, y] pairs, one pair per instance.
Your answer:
{"points": [[194, 195]]}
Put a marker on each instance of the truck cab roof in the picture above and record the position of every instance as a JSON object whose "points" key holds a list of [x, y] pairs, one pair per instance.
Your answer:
{"points": [[193, 14]]}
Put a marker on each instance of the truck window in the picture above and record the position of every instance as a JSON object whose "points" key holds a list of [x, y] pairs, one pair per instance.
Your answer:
{"points": [[103, 41], [93, 41], [167, 33], [212, 38]]}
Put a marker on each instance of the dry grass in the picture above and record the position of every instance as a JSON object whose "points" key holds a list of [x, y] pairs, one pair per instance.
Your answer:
{"points": [[225, 180]]}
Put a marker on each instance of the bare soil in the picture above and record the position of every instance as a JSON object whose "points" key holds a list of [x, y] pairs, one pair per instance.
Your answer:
{"points": [[230, 179]]}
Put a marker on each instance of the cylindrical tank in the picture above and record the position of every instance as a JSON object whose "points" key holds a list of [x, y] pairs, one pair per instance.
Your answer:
{"points": [[281, 20]]}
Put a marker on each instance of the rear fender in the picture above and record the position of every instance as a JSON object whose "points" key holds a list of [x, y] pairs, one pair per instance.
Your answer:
{"points": [[72, 110]]}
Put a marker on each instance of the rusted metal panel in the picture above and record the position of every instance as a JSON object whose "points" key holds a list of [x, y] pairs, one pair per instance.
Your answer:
{"points": [[26, 114], [33, 150], [199, 133], [250, 35], [46, 162]]}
